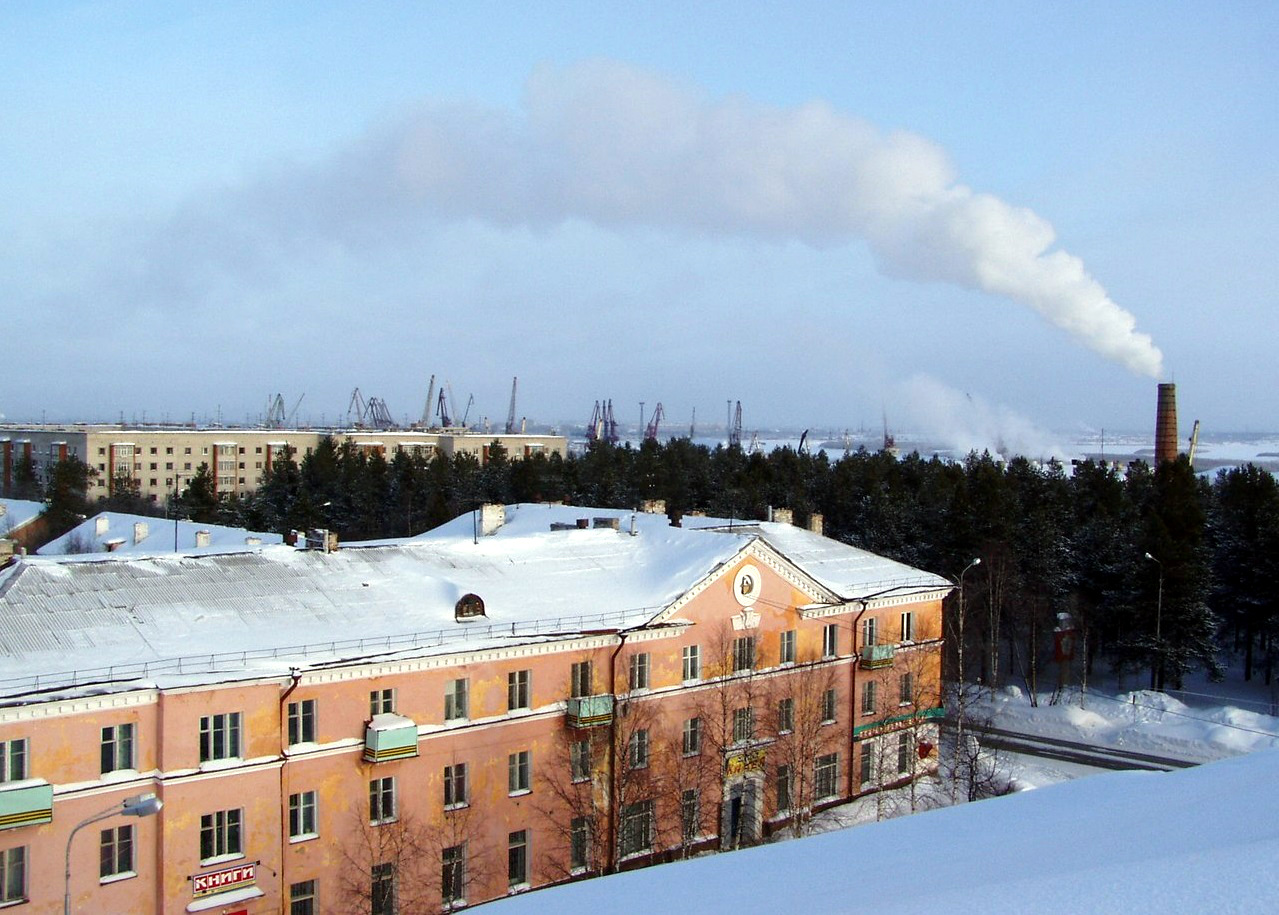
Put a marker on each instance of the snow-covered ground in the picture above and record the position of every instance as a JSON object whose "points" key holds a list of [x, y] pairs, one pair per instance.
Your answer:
{"points": [[1204, 839]]}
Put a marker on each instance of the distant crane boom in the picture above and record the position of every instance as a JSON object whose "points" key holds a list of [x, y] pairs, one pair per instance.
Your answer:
{"points": [[1194, 444], [650, 431], [430, 403], [510, 414]]}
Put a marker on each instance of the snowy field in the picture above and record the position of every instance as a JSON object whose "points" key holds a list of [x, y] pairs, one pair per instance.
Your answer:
{"points": [[1204, 839]]}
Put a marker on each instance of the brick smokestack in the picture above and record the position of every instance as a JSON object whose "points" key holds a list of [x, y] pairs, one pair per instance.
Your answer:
{"points": [[1166, 425]]}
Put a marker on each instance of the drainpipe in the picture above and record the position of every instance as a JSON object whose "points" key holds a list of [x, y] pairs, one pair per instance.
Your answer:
{"points": [[612, 755], [852, 697], [296, 675]]}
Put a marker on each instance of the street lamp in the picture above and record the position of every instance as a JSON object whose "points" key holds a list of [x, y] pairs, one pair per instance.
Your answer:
{"points": [[1159, 641], [140, 805]]}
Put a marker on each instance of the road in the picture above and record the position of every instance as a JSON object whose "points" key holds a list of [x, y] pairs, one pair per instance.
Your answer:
{"points": [[1071, 751]]}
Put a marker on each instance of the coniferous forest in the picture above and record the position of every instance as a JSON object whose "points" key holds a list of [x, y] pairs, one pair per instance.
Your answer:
{"points": [[1162, 571]]}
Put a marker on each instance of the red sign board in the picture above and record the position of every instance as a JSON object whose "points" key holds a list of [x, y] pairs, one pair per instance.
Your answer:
{"points": [[230, 878]]}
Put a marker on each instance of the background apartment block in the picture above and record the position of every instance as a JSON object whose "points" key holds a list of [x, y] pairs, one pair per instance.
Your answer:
{"points": [[162, 460]]}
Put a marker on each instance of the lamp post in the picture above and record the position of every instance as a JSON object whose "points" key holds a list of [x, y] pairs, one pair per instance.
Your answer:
{"points": [[960, 694], [140, 805], [1157, 669]]}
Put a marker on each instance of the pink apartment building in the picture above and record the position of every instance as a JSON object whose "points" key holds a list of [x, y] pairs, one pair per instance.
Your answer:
{"points": [[526, 695]]}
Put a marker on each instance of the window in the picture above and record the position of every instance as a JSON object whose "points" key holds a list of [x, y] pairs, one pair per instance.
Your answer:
{"points": [[639, 670], [455, 699], [517, 690], [518, 777], [637, 828], [908, 626], [220, 834], [690, 809], [13, 874], [692, 662], [580, 760], [302, 721], [870, 631], [637, 748], [455, 785], [580, 843], [830, 641], [826, 776], [785, 715], [783, 788], [381, 702], [581, 675], [868, 698], [828, 706], [13, 759], [743, 653], [743, 724], [115, 852], [302, 898], [903, 752], [382, 894], [692, 736], [168, 450], [906, 688], [302, 815], [453, 875], [382, 800], [220, 736], [786, 650], [517, 858], [868, 762]]}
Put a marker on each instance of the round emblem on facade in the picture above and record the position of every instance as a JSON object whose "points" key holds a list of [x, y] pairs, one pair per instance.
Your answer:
{"points": [[746, 585]]}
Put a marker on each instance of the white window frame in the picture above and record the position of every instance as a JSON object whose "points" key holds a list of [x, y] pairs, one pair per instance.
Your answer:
{"points": [[637, 749], [453, 875], [785, 788], [785, 715], [830, 706], [870, 701], [830, 641], [908, 626], [906, 689], [519, 773], [117, 749], [786, 647], [519, 690], [580, 761], [582, 681], [517, 859], [14, 759], [692, 745], [579, 844], [225, 728], [457, 699], [381, 702], [826, 777], [456, 787], [636, 829], [692, 663], [640, 662], [870, 632], [225, 829], [13, 875], [384, 889], [743, 654], [690, 812], [743, 724], [383, 806], [116, 853], [302, 721], [302, 898], [303, 816]]}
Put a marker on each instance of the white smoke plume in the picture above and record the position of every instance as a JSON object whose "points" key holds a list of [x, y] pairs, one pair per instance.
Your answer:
{"points": [[612, 145], [968, 423]]}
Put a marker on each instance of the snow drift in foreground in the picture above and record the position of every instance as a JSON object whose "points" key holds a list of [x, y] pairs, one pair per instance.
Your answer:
{"points": [[1197, 840]]}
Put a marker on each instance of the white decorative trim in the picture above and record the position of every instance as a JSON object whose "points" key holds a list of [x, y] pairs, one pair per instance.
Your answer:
{"points": [[36, 711]]}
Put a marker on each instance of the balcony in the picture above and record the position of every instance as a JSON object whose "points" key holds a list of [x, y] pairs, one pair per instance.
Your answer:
{"points": [[590, 711], [25, 804], [390, 737], [877, 656]]}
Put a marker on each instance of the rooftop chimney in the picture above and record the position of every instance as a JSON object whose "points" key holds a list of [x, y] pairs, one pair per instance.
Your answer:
{"points": [[1166, 425]]}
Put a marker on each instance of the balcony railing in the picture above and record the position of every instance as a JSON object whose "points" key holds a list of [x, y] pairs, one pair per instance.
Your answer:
{"points": [[590, 711], [390, 737], [25, 804], [874, 656]]}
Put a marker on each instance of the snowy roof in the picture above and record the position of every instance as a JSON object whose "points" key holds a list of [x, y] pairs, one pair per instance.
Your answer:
{"points": [[15, 513], [117, 532], [246, 611], [1196, 840], [850, 572]]}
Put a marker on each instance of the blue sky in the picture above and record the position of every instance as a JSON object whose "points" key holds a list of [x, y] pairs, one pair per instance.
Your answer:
{"points": [[826, 212]]}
